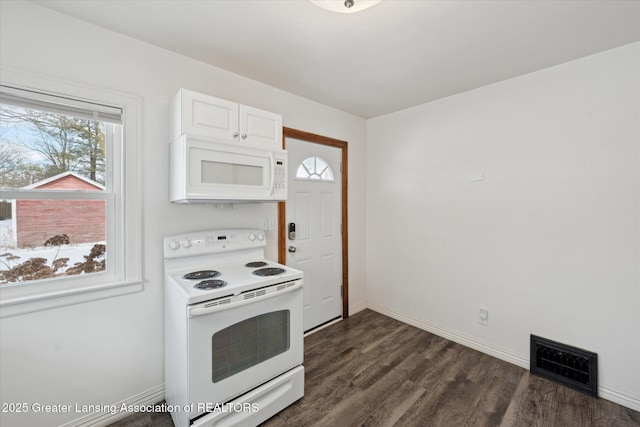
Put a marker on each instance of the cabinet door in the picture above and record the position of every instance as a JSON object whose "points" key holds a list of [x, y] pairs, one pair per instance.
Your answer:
{"points": [[208, 116], [260, 127]]}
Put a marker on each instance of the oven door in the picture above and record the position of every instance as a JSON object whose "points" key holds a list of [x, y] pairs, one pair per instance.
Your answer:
{"points": [[238, 345]]}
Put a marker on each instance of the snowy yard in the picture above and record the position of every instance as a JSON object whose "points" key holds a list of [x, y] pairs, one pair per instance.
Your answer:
{"points": [[75, 253], [7, 238]]}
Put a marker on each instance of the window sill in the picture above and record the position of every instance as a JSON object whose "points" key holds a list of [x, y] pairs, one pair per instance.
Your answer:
{"points": [[14, 306]]}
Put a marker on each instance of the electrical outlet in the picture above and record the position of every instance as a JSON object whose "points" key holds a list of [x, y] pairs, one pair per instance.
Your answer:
{"points": [[483, 316], [267, 224], [223, 206], [476, 177]]}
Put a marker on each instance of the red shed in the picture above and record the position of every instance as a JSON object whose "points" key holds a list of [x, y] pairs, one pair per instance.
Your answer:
{"points": [[82, 220]]}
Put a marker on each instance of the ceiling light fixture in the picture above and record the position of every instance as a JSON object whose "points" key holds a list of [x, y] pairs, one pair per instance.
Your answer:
{"points": [[345, 6]]}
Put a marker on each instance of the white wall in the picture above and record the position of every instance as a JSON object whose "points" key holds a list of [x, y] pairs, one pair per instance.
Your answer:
{"points": [[110, 350], [548, 242]]}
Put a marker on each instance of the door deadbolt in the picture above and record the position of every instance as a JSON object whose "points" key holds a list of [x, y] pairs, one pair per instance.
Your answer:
{"points": [[292, 232]]}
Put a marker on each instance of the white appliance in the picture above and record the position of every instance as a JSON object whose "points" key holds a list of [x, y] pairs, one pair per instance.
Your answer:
{"points": [[233, 330], [207, 170]]}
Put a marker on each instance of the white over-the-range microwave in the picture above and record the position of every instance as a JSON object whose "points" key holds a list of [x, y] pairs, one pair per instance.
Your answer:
{"points": [[206, 170]]}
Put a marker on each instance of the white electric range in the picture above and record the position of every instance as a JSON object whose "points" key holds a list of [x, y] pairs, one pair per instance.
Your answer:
{"points": [[233, 329]]}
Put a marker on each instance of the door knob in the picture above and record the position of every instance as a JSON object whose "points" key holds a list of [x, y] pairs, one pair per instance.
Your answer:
{"points": [[292, 249]]}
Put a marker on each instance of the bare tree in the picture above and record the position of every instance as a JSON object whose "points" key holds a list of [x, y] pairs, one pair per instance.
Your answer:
{"points": [[66, 143], [10, 158], [91, 151], [15, 171]]}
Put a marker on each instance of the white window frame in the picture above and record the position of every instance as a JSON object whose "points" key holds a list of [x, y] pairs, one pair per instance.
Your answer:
{"points": [[124, 222]]}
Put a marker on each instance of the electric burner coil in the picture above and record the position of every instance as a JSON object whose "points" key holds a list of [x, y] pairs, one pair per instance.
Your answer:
{"points": [[202, 274], [210, 284], [256, 264], [270, 271]]}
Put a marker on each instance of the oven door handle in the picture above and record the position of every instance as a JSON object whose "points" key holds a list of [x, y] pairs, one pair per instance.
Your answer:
{"points": [[202, 309]]}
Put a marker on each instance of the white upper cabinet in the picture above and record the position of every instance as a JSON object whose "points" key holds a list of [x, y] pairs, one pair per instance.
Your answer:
{"points": [[204, 115], [260, 127]]}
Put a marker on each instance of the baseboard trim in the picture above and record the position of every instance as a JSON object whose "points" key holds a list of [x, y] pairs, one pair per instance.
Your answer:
{"points": [[623, 398], [357, 308], [101, 419], [450, 334], [606, 392]]}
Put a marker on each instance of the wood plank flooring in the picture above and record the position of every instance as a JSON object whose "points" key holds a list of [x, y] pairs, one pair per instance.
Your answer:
{"points": [[371, 370]]}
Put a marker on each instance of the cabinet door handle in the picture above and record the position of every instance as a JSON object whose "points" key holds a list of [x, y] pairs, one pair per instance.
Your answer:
{"points": [[235, 134], [244, 136]]}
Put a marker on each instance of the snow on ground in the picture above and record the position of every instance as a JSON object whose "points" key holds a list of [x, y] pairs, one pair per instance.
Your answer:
{"points": [[75, 253], [6, 234]]}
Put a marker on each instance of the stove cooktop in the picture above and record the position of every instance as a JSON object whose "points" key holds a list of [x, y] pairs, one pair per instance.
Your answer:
{"points": [[206, 265], [231, 279]]}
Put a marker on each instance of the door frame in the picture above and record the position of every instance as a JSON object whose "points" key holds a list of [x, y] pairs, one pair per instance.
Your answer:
{"points": [[282, 220]]}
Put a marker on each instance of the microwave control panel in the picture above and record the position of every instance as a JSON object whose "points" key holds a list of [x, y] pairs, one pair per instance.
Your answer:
{"points": [[280, 172]]}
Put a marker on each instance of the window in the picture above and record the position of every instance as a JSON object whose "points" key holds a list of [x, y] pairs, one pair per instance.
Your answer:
{"points": [[314, 168], [55, 160], [68, 215]]}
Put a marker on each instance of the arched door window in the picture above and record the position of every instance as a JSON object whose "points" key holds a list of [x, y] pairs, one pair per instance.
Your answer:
{"points": [[314, 168]]}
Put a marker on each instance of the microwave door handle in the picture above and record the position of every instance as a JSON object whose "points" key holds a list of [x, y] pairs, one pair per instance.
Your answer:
{"points": [[272, 171]]}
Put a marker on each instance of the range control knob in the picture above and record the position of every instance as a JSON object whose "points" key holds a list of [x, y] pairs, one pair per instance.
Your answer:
{"points": [[174, 245], [187, 243], [261, 236], [252, 236]]}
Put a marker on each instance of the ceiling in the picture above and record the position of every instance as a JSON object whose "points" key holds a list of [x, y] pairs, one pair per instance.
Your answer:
{"points": [[393, 56]]}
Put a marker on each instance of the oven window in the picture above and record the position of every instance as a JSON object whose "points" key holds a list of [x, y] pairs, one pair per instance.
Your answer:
{"points": [[248, 343]]}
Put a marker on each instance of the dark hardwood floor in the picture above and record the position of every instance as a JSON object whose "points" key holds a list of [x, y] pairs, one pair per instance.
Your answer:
{"points": [[371, 370]]}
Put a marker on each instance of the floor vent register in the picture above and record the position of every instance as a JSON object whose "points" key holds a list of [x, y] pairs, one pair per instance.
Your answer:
{"points": [[564, 364]]}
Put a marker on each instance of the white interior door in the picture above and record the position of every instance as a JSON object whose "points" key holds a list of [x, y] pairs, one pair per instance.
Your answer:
{"points": [[314, 205]]}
